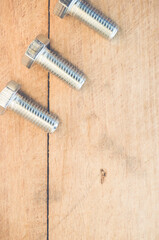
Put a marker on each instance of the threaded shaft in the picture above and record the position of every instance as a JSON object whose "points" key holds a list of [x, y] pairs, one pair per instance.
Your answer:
{"points": [[59, 66], [32, 111], [94, 18]]}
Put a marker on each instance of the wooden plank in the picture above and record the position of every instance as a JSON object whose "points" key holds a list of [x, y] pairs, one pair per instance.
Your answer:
{"points": [[104, 161], [23, 155]]}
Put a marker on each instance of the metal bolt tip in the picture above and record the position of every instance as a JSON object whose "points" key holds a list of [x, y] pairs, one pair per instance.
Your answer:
{"points": [[56, 124]]}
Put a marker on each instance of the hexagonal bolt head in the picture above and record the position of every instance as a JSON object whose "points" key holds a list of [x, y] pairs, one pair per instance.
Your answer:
{"points": [[34, 49], [7, 95], [63, 6]]}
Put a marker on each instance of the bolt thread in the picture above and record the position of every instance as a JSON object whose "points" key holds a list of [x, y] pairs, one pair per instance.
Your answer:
{"points": [[56, 64], [26, 107], [94, 18]]}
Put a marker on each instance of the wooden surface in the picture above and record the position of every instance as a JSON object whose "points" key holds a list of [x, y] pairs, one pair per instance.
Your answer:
{"points": [[23, 154], [103, 160]]}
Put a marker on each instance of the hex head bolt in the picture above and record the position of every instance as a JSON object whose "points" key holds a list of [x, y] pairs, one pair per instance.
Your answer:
{"points": [[52, 62], [87, 14], [11, 97]]}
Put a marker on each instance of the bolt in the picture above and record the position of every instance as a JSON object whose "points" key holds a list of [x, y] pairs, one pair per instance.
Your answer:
{"points": [[87, 14], [53, 62], [11, 97]]}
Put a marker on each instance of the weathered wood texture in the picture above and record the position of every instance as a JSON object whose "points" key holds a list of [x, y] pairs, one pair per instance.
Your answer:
{"points": [[111, 124], [23, 148], [104, 158]]}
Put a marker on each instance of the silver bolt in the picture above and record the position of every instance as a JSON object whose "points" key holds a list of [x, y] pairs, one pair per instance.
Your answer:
{"points": [[53, 62], [11, 97], [87, 14]]}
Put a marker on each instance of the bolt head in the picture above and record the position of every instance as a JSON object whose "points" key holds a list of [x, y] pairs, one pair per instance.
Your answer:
{"points": [[34, 50], [63, 6], [7, 95]]}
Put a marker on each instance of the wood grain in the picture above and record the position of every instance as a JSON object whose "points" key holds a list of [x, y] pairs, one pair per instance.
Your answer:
{"points": [[23, 155], [112, 124]]}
